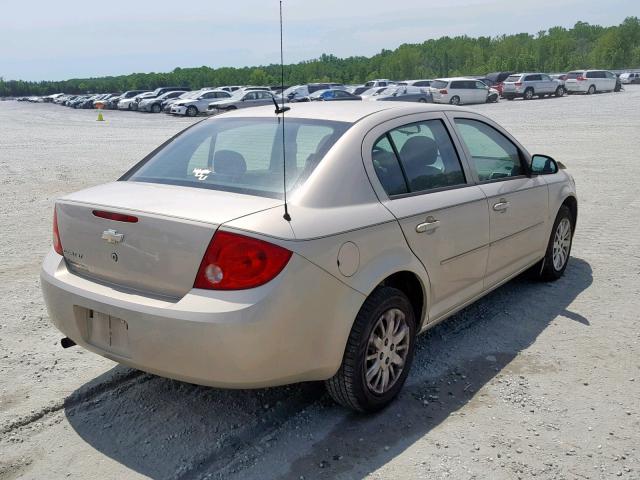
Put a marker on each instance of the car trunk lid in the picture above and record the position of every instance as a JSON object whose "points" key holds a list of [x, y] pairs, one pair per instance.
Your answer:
{"points": [[146, 237]]}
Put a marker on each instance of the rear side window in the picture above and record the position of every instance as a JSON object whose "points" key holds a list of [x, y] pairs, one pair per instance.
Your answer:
{"points": [[458, 85], [597, 74], [493, 155], [417, 158], [242, 155]]}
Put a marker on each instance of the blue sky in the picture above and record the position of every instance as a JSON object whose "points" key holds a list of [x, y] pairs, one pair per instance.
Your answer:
{"points": [[44, 40]]}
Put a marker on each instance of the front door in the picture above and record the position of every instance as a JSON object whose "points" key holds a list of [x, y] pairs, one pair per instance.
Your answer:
{"points": [[443, 216], [518, 203]]}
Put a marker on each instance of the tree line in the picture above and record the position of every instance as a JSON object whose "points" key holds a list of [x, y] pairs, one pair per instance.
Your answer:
{"points": [[555, 50]]}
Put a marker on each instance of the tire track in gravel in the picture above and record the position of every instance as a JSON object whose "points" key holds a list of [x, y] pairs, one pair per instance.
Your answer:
{"points": [[85, 395]]}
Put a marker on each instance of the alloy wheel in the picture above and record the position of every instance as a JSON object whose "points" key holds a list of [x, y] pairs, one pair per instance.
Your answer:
{"points": [[387, 351], [561, 244]]}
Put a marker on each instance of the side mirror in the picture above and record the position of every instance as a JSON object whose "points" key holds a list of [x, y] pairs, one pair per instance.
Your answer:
{"points": [[543, 165]]}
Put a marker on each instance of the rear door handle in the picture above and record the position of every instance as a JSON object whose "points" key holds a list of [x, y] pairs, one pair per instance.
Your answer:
{"points": [[429, 226], [501, 206]]}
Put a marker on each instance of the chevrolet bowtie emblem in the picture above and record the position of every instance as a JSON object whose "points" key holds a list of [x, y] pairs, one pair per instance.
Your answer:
{"points": [[112, 236]]}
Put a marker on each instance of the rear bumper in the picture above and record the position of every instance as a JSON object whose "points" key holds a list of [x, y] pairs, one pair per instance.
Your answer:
{"points": [[283, 332], [576, 87]]}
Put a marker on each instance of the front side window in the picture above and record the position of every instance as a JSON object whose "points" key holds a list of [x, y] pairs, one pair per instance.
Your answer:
{"points": [[242, 155], [493, 155], [417, 158]]}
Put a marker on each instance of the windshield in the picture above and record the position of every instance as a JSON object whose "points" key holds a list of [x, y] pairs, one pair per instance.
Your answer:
{"points": [[319, 93], [242, 155]]}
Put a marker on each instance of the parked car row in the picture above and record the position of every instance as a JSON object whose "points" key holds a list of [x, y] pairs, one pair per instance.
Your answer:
{"points": [[455, 91]]}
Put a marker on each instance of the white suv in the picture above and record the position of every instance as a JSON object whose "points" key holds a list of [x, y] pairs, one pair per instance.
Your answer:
{"points": [[457, 91], [590, 81]]}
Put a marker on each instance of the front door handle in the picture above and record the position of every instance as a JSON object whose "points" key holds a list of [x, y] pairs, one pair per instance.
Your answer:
{"points": [[429, 226], [501, 206]]}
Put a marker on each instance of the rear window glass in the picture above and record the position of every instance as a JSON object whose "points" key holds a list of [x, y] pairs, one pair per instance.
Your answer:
{"points": [[573, 75], [242, 155], [439, 84], [513, 78]]}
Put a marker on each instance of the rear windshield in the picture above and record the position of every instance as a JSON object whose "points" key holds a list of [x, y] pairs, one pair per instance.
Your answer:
{"points": [[573, 75], [242, 155], [439, 84], [513, 78]]}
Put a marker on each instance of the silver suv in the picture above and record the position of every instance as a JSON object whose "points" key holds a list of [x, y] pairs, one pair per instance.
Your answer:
{"points": [[529, 85]]}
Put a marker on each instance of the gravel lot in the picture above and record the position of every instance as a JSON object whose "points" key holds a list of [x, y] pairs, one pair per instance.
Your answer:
{"points": [[535, 380]]}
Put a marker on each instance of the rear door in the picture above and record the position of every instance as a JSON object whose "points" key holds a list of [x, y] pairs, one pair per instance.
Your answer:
{"points": [[415, 168], [518, 203]]}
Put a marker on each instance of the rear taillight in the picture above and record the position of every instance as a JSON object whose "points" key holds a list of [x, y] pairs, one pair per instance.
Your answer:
{"points": [[518, 84], [236, 262], [581, 79], [118, 217], [443, 91], [57, 244]]}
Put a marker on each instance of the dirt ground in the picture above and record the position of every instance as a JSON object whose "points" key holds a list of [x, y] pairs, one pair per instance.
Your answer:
{"points": [[534, 381]]}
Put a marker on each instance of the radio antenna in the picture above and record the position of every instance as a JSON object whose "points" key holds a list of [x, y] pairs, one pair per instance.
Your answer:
{"points": [[280, 110]]}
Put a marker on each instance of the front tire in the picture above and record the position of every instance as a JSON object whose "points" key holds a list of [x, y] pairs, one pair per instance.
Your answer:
{"points": [[559, 247], [155, 108], [378, 354], [560, 92], [191, 111]]}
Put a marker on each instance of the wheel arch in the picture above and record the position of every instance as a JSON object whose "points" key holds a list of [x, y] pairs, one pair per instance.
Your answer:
{"points": [[413, 287], [572, 203]]}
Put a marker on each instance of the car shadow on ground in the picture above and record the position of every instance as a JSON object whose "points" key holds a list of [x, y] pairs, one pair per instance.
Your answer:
{"points": [[169, 429]]}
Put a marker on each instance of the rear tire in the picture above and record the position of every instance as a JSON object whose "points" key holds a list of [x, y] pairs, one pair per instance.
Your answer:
{"points": [[528, 94], [558, 251], [455, 100], [373, 371], [155, 108], [422, 100], [592, 90]]}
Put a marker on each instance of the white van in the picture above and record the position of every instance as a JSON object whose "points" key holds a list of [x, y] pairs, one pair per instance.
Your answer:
{"points": [[590, 81], [458, 91], [630, 77]]}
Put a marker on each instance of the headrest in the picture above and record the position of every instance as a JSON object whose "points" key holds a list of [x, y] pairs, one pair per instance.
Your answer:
{"points": [[228, 162], [419, 151]]}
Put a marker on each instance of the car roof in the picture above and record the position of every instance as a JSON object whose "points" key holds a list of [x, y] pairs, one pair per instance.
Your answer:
{"points": [[350, 112], [448, 79]]}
